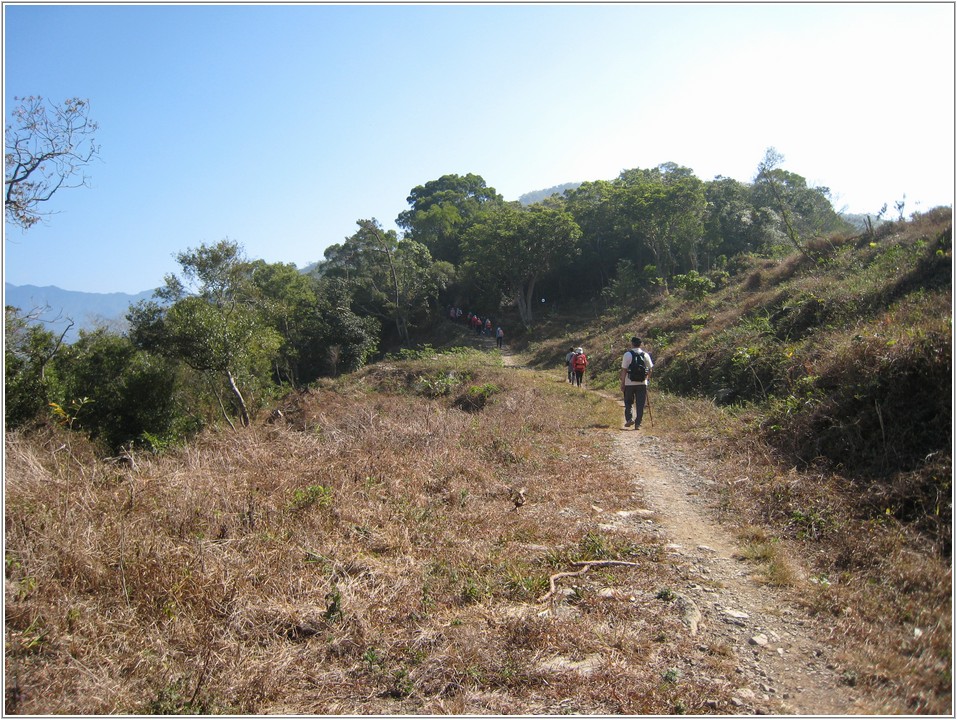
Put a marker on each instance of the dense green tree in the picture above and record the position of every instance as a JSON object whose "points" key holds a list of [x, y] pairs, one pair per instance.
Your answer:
{"points": [[661, 213], [592, 204], [667, 173], [442, 210], [733, 225], [289, 303], [114, 391], [388, 278], [345, 340], [101, 384], [515, 247], [213, 322], [28, 353]]}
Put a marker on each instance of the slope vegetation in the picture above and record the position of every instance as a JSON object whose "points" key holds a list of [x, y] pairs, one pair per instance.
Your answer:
{"points": [[442, 534], [841, 364], [382, 545]]}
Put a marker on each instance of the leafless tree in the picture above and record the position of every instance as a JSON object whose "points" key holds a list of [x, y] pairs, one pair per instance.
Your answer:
{"points": [[45, 148]]}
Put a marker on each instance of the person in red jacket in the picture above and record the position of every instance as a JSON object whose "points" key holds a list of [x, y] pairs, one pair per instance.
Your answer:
{"points": [[579, 363]]}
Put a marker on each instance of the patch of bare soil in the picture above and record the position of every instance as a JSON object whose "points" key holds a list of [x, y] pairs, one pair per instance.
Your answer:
{"points": [[784, 661]]}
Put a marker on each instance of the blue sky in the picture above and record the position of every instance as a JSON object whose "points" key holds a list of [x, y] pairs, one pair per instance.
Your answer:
{"points": [[280, 126]]}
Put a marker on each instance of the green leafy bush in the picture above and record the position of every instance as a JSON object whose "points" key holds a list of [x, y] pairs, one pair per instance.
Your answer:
{"points": [[27, 374], [128, 392], [695, 286]]}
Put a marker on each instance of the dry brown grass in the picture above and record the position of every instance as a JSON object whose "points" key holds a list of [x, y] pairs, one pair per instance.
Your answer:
{"points": [[857, 487], [878, 587], [360, 554]]}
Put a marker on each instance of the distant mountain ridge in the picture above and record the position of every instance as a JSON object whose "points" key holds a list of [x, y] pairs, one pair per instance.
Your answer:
{"points": [[56, 307]]}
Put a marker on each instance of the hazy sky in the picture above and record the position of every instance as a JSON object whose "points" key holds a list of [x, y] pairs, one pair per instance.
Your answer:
{"points": [[280, 126]]}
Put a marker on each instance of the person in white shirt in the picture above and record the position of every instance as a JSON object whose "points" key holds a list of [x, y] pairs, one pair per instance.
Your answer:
{"points": [[636, 367]]}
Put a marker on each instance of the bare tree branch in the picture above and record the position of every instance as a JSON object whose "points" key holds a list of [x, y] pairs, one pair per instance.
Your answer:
{"points": [[44, 149], [585, 567]]}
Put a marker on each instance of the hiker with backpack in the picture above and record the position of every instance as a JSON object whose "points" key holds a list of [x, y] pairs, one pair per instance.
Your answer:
{"points": [[636, 367], [579, 363], [499, 336], [568, 364]]}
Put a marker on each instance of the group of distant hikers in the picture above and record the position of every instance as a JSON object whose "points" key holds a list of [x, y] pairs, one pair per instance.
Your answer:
{"points": [[480, 325], [636, 364], [576, 362], [636, 368]]}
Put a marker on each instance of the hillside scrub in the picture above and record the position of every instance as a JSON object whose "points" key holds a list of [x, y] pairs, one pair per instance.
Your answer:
{"points": [[843, 355], [227, 334], [379, 543], [374, 546], [359, 550], [818, 394], [879, 582]]}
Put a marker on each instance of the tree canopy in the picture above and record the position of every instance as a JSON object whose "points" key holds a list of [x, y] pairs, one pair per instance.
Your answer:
{"points": [[515, 247], [442, 210], [387, 277], [214, 322], [226, 331]]}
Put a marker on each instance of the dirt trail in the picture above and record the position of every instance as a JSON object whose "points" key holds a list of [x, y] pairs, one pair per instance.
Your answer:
{"points": [[784, 664], [783, 667]]}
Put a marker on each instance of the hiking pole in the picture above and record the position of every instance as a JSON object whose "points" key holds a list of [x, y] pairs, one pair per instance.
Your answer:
{"points": [[651, 415]]}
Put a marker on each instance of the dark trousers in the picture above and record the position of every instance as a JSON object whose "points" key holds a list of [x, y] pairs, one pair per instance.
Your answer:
{"points": [[637, 394]]}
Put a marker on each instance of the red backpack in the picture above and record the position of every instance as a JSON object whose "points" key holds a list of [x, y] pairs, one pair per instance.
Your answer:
{"points": [[579, 362]]}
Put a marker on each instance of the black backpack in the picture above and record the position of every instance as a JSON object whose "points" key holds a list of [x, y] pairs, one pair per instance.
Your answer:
{"points": [[637, 371]]}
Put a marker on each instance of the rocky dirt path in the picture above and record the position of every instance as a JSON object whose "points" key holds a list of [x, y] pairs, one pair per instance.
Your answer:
{"points": [[784, 664], [784, 667]]}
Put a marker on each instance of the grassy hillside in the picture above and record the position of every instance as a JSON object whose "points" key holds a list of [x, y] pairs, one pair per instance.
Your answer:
{"points": [[842, 365], [360, 550]]}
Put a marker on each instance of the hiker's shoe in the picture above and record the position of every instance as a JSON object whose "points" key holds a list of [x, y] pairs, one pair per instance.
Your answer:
{"points": [[629, 423]]}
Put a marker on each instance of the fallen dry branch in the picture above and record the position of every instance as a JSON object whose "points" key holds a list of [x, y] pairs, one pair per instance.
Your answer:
{"points": [[586, 566]]}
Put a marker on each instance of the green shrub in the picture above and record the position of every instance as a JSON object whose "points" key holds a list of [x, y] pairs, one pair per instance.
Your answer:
{"points": [[695, 286], [127, 394], [27, 373], [437, 385], [306, 497]]}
